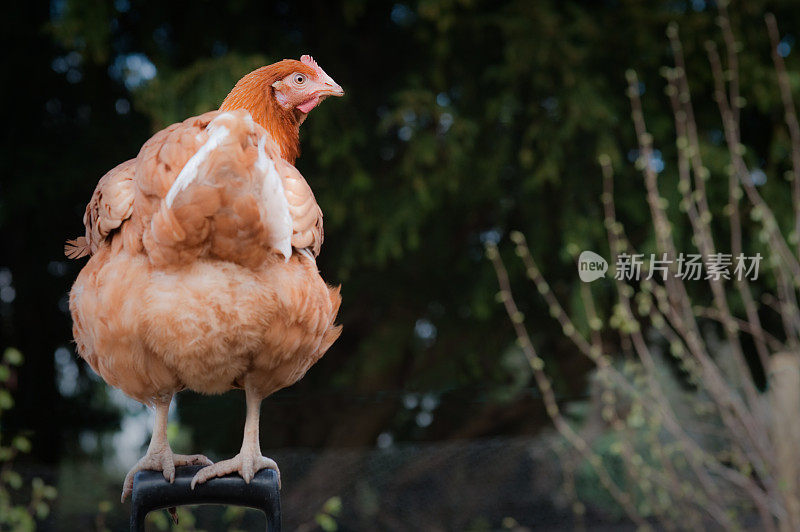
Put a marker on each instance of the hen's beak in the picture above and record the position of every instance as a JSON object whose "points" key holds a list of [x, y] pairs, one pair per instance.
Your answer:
{"points": [[331, 88]]}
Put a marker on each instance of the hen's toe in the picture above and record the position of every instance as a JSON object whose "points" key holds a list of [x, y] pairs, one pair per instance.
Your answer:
{"points": [[163, 461], [246, 465]]}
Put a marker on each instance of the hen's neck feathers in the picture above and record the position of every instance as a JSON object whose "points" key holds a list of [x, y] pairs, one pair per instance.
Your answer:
{"points": [[254, 93]]}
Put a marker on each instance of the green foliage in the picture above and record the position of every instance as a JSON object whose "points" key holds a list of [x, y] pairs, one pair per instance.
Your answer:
{"points": [[233, 517], [635, 447], [84, 25], [326, 518], [176, 95], [665, 441], [23, 502], [461, 120]]}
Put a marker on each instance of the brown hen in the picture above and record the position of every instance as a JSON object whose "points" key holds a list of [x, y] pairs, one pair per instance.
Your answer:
{"points": [[203, 263]]}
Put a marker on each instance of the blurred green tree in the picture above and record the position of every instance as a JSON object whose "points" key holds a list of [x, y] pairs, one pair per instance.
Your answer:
{"points": [[463, 120]]}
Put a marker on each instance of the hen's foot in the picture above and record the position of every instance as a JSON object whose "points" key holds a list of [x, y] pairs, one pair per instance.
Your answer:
{"points": [[164, 461], [245, 463]]}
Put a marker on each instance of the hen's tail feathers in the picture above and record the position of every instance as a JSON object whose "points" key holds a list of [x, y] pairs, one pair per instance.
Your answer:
{"points": [[333, 332], [76, 248]]}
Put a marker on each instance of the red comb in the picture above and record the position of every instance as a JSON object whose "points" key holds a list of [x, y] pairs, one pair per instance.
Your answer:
{"points": [[309, 61]]}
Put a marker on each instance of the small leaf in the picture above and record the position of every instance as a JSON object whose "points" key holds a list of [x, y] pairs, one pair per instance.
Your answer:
{"points": [[22, 520], [6, 401], [6, 454], [160, 520], [22, 444], [13, 356], [326, 523], [232, 513], [333, 506], [42, 510], [13, 479]]}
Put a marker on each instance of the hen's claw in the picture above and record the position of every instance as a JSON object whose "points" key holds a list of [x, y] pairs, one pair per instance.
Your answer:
{"points": [[164, 461], [246, 464]]}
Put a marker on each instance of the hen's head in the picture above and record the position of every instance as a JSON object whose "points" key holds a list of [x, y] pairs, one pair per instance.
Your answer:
{"points": [[288, 86], [280, 96], [302, 85]]}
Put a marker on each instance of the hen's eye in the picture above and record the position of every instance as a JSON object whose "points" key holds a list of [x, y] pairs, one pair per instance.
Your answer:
{"points": [[299, 79]]}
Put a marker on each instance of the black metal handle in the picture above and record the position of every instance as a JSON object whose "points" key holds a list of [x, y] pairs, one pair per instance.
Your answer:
{"points": [[152, 492]]}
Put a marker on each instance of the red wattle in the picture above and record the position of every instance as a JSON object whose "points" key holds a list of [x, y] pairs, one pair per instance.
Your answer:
{"points": [[307, 106]]}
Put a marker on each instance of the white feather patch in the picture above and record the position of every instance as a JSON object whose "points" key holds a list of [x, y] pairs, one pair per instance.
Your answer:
{"points": [[278, 218], [216, 134], [307, 252], [251, 124]]}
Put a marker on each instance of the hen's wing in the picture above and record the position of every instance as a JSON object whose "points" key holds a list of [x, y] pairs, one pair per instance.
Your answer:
{"points": [[307, 232], [111, 204], [218, 187], [212, 186]]}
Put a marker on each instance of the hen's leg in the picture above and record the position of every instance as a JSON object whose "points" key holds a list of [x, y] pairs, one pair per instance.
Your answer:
{"points": [[249, 460], [159, 456]]}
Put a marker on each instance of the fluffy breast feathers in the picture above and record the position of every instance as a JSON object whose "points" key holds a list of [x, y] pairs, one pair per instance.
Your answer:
{"points": [[213, 186]]}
